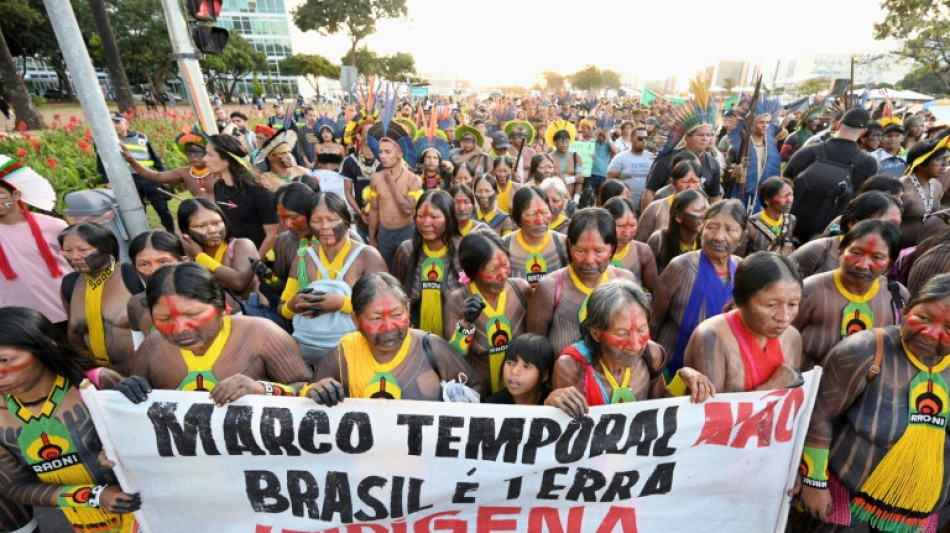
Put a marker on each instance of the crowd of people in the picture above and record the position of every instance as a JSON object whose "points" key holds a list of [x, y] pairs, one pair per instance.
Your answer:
{"points": [[562, 251]]}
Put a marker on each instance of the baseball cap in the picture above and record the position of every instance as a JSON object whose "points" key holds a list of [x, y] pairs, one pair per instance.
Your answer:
{"points": [[856, 118], [894, 126], [117, 117], [499, 140]]}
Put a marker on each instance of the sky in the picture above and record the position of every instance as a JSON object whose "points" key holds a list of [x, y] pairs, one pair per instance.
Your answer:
{"points": [[510, 42]]}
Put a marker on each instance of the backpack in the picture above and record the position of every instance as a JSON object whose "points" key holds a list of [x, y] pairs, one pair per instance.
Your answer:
{"points": [[317, 335], [821, 191]]}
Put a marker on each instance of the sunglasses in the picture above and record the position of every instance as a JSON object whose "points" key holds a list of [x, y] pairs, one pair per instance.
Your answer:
{"points": [[641, 138]]}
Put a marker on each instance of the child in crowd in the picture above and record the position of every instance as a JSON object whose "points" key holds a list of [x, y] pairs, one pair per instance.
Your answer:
{"points": [[527, 369]]}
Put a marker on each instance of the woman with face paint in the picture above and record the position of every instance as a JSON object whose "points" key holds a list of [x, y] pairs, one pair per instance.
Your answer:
{"points": [[95, 300], [559, 202], [427, 264], [559, 303], [484, 315], [753, 347], [821, 255], [656, 217], [682, 234], [697, 285], [486, 195], [615, 361], [631, 255], [853, 297], [503, 170], [432, 171], [542, 168], [463, 174], [771, 229], [535, 250], [293, 209], [208, 240], [463, 202], [40, 375], [149, 252]]}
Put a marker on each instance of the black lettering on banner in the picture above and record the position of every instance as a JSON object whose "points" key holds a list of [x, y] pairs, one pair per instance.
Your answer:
{"points": [[580, 430], [395, 497], [414, 505], [336, 498], [643, 432], [620, 486], [660, 481], [586, 483], [443, 447], [482, 435], [414, 437], [364, 436], [546, 492], [607, 434], [662, 446], [197, 422], [514, 488], [277, 431], [462, 488], [362, 492], [312, 424], [263, 492], [303, 491], [543, 431], [238, 435]]}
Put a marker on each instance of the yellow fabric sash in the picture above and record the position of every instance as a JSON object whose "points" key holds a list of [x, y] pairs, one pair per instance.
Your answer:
{"points": [[557, 222], [582, 313], [362, 367], [503, 202], [200, 375], [94, 320], [464, 230], [497, 321], [335, 267], [430, 308]]}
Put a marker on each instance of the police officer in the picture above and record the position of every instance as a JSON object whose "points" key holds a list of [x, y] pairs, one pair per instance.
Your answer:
{"points": [[137, 143]]}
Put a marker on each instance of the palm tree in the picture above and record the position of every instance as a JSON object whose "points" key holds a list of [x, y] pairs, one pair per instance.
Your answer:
{"points": [[123, 92], [15, 90]]}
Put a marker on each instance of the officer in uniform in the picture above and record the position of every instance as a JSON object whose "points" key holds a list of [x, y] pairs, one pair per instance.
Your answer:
{"points": [[137, 143]]}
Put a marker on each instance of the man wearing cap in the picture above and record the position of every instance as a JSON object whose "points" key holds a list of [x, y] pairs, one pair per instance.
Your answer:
{"points": [[470, 142], [842, 148], [519, 148], [141, 149], [500, 145], [277, 119], [196, 177], [891, 156]]}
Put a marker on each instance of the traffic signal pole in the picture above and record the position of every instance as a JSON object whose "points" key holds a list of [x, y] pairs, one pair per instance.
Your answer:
{"points": [[190, 71]]}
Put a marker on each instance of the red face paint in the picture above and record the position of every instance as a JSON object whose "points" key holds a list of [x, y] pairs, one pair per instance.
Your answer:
{"points": [[179, 322], [498, 269], [290, 219], [386, 322], [430, 221], [930, 329], [861, 254], [626, 228], [12, 369], [590, 252], [631, 341], [537, 214]]}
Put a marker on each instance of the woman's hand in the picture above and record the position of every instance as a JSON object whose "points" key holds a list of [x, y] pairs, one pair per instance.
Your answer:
{"points": [[570, 400], [113, 500], [700, 388]]}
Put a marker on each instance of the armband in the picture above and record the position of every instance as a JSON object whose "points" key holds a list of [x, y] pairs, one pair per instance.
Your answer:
{"points": [[94, 494], [207, 261], [347, 305], [286, 312], [677, 386], [76, 496], [306, 390], [814, 467], [466, 332]]}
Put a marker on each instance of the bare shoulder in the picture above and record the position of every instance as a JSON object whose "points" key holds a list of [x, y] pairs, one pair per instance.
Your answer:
{"points": [[522, 285], [547, 283], [262, 332]]}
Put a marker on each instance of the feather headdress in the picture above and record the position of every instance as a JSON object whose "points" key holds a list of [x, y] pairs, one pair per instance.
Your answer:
{"points": [[429, 137], [388, 129], [187, 137], [522, 126], [556, 126], [700, 110], [365, 114], [34, 190]]}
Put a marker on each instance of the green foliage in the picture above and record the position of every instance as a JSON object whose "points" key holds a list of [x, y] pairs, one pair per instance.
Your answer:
{"points": [[922, 27], [589, 77], [729, 83], [396, 67], [610, 79], [922, 80], [38, 100], [239, 59], [142, 38], [367, 62], [812, 86], [356, 18], [552, 80], [256, 86], [312, 67]]}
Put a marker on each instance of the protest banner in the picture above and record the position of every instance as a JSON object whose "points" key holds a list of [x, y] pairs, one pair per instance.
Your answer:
{"points": [[287, 465], [587, 150]]}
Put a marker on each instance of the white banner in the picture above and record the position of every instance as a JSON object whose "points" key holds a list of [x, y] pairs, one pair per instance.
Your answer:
{"points": [[287, 465]]}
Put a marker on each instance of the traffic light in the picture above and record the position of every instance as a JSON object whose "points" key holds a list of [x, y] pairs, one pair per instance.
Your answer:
{"points": [[208, 39]]}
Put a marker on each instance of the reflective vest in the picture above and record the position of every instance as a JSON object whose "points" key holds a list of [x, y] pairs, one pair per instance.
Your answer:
{"points": [[137, 143]]}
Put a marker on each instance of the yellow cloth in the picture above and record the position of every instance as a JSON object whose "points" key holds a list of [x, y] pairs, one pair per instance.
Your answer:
{"points": [[336, 266], [290, 290], [557, 222], [361, 366], [200, 375], [504, 199], [94, 320]]}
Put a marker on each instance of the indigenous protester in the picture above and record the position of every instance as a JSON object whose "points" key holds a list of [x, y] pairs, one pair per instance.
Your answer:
{"points": [[276, 151], [854, 297], [471, 142], [462, 174], [31, 261], [616, 362], [771, 229], [542, 167], [656, 217], [95, 300], [559, 303], [871, 140], [568, 165], [697, 285], [632, 166], [561, 205], [433, 172], [196, 177], [248, 206], [929, 259], [865, 463], [927, 163], [358, 168], [753, 347], [682, 234], [486, 196], [631, 255], [201, 348], [463, 207], [821, 255], [535, 249], [526, 371], [502, 171], [318, 290], [891, 156], [293, 209], [807, 125], [613, 189], [486, 313], [914, 132], [763, 160], [148, 252], [393, 191], [427, 264], [40, 375], [138, 145], [385, 358], [521, 134]]}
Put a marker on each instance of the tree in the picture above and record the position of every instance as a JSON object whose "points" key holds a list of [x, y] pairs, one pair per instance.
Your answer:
{"points": [[922, 80], [729, 83], [589, 77], [312, 67], [29, 34], [356, 18], [812, 86], [552, 80], [123, 92], [922, 27], [398, 67], [610, 79], [143, 42], [238, 60], [366, 61], [15, 90]]}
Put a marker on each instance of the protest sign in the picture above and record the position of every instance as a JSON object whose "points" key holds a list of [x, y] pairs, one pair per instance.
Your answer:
{"points": [[587, 150], [287, 465]]}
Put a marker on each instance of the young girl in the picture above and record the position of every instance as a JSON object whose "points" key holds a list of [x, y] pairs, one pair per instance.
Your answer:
{"points": [[526, 371]]}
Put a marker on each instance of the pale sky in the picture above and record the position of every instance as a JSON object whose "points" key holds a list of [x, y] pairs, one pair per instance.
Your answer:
{"points": [[509, 42]]}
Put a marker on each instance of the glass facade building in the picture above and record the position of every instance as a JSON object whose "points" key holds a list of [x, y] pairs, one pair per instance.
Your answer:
{"points": [[266, 25]]}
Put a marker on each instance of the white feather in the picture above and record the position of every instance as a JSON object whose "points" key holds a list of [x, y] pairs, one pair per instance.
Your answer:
{"points": [[34, 189]]}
